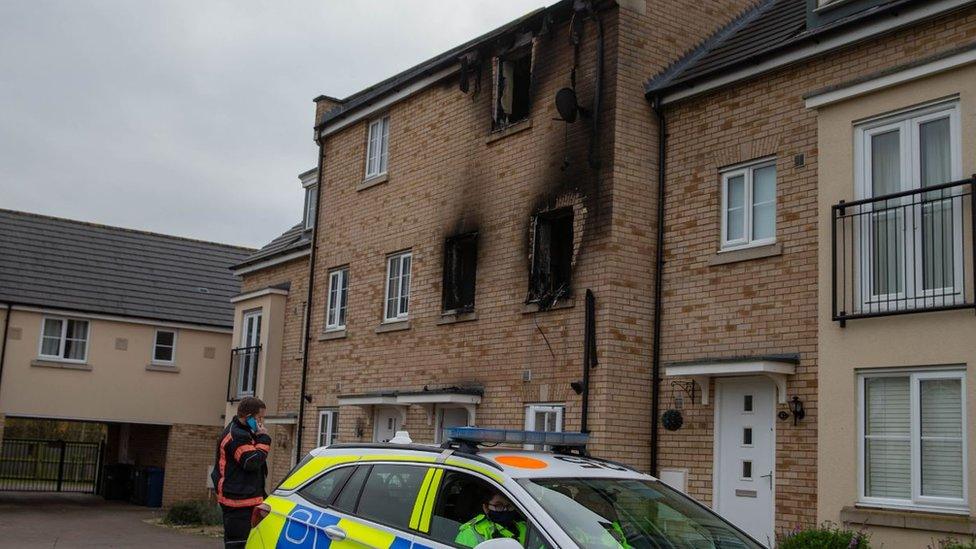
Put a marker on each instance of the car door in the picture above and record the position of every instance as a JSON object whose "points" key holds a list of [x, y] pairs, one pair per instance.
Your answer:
{"points": [[365, 506]]}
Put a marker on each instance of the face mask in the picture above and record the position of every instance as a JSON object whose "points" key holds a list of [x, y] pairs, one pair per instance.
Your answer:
{"points": [[252, 423], [505, 518]]}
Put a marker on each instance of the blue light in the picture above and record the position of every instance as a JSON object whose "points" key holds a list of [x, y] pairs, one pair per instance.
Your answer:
{"points": [[507, 436]]}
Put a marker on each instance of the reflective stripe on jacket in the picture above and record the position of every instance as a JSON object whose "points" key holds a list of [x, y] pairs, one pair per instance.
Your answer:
{"points": [[241, 466]]}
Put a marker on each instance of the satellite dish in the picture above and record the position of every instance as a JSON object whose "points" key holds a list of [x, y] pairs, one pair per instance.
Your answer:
{"points": [[567, 105]]}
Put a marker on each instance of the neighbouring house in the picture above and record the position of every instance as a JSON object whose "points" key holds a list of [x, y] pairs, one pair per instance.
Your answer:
{"points": [[819, 257], [269, 321], [124, 328]]}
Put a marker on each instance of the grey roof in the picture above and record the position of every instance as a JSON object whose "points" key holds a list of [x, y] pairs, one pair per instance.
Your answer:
{"points": [[85, 267], [292, 240], [532, 19], [768, 29]]}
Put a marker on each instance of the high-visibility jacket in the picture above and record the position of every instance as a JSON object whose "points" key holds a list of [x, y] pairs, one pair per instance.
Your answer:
{"points": [[241, 466], [481, 529]]}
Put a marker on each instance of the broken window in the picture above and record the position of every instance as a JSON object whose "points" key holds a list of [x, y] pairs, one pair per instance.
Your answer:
{"points": [[552, 256], [460, 265], [513, 79]]}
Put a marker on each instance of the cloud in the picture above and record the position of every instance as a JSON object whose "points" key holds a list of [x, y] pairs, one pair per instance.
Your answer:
{"points": [[194, 118]]}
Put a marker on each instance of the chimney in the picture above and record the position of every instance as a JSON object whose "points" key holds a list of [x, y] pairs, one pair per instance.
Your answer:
{"points": [[324, 104]]}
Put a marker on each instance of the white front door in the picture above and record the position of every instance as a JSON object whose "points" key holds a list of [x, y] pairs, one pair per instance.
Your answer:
{"points": [[745, 453], [386, 422]]}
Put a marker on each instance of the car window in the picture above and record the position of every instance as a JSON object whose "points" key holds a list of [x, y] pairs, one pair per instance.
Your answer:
{"points": [[349, 496], [459, 501], [390, 493], [321, 490]]}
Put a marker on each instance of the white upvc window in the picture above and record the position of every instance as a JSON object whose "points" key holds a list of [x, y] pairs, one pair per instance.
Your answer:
{"points": [[912, 449], [311, 198], [749, 205], [543, 417], [328, 426], [912, 244], [377, 147], [164, 347], [397, 305], [335, 318], [64, 339]]}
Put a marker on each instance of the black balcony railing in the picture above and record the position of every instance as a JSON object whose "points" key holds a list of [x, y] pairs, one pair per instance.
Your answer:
{"points": [[904, 252], [243, 378]]}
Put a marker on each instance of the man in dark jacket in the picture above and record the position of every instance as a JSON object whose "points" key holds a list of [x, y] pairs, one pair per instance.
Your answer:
{"points": [[241, 467]]}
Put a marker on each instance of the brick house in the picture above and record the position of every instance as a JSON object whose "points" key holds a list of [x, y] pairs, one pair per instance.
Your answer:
{"points": [[774, 123], [126, 330]]}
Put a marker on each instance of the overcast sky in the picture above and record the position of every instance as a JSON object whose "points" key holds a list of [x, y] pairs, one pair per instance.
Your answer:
{"points": [[193, 117]]}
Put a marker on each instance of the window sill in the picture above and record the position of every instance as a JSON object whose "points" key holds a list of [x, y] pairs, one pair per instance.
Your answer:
{"points": [[162, 368], [511, 129], [332, 334], [912, 520], [724, 257], [373, 181], [561, 303], [63, 365], [393, 326], [455, 318]]}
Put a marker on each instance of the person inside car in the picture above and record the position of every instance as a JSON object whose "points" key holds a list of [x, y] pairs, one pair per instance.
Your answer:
{"points": [[500, 519]]}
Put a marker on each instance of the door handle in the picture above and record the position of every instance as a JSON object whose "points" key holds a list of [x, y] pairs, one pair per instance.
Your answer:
{"points": [[770, 477], [335, 533]]}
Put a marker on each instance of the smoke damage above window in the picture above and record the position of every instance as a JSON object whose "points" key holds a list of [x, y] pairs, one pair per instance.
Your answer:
{"points": [[460, 269]]}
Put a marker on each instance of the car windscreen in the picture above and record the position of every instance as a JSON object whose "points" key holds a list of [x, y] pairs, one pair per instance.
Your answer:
{"points": [[632, 513]]}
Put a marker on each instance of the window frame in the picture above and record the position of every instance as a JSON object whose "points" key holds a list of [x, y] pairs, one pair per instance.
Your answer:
{"points": [[551, 218], [62, 339], [382, 124], [341, 273], [532, 409], [453, 248], [907, 122], [401, 314], [747, 171], [172, 360], [333, 425], [917, 500], [311, 202]]}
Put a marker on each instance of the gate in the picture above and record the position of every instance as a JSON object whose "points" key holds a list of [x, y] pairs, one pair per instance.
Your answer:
{"points": [[28, 465]]}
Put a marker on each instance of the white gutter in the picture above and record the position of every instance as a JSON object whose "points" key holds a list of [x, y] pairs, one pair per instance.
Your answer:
{"points": [[271, 262], [893, 79], [907, 17], [129, 320], [369, 109]]}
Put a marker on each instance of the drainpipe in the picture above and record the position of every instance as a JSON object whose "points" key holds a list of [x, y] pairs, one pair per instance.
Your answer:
{"points": [[658, 284], [3, 339], [308, 304]]}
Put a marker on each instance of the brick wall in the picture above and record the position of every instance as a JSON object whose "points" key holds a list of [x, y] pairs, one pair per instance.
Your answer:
{"points": [[768, 305], [190, 451]]}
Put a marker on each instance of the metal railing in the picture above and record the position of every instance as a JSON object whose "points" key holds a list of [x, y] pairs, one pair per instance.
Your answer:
{"points": [[904, 252], [242, 379]]}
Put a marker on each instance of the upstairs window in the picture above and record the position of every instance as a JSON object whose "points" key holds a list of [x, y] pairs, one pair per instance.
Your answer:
{"points": [[397, 287], [164, 347], [338, 290], [512, 86], [64, 339], [749, 205], [377, 147], [311, 199], [552, 255], [460, 266]]}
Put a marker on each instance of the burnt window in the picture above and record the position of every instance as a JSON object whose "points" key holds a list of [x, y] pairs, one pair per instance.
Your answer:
{"points": [[552, 255], [513, 80], [460, 265]]}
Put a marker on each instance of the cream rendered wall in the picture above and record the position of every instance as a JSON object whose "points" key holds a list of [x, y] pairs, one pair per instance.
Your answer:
{"points": [[118, 387], [936, 338], [272, 306]]}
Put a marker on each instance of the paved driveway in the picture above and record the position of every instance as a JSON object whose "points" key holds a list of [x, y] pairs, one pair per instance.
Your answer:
{"points": [[75, 520]]}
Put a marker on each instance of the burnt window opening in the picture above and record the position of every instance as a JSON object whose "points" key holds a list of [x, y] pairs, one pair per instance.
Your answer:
{"points": [[460, 266], [552, 256], [513, 81]]}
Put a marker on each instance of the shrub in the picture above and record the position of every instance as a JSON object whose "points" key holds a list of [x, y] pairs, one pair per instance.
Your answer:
{"points": [[194, 513], [951, 543], [827, 536]]}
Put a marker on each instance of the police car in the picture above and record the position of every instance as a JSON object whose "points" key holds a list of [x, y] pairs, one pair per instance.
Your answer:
{"points": [[465, 494]]}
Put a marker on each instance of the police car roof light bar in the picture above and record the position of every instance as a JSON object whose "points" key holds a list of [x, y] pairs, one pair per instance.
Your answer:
{"points": [[468, 438]]}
